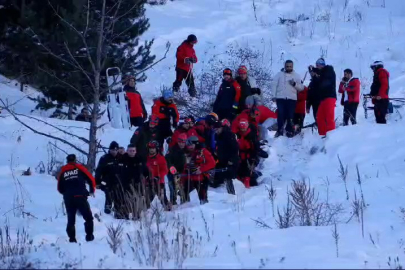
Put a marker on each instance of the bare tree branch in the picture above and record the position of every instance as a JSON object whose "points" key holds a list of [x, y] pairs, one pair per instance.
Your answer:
{"points": [[41, 133], [155, 63]]}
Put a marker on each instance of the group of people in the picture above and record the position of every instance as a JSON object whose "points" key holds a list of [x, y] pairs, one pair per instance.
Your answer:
{"points": [[193, 154]]}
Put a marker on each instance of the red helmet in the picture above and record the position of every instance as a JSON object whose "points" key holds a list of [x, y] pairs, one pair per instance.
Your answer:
{"points": [[182, 137], [225, 122], [154, 120], [243, 124], [153, 144]]}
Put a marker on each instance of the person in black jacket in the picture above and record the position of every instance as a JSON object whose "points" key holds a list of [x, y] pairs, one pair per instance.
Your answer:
{"points": [[326, 76], [176, 160], [108, 175], [134, 173], [150, 131], [226, 104], [313, 96], [248, 87], [72, 181], [84, 115], [227, 152]]}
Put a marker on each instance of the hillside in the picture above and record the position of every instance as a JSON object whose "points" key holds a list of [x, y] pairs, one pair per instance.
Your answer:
{"points": [[239, 231]]}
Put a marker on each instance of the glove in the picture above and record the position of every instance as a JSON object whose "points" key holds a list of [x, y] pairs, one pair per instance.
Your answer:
{"points": [[187, 61], [193, 60], [292, 83], [235, 108]]}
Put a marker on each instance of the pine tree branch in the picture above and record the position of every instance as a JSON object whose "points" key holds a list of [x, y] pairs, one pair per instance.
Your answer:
{"points": [[41, 133]]}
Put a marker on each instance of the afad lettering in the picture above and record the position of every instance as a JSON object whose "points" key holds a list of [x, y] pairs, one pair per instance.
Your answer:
{"points": [[71, 173]]}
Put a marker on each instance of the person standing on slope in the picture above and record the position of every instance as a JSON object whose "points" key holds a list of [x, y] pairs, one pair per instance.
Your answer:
{"points": [[166, 110], [199, 163], [176, 160], [248, 86], [286, 85], [186, 58], [227, 152], [349, 87], [226, 104], [379, 91], [313, 95], [325, 117], [137, 111], [107, 173], [72, 181]]}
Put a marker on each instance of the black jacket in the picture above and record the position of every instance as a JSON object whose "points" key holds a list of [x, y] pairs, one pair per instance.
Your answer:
{"points": [[134, 171], [72, 180], [227, 147], [110, 170], [143, 136], [226, 96], [327, 83], [313, 97], [176, 157]]}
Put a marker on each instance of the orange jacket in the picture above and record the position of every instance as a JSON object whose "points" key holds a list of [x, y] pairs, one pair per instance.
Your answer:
{"points": [[157, 167], [136, 106], [164, 110]]}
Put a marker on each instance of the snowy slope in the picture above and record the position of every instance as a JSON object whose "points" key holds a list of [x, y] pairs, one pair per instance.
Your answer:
{"points": [[222, 233]]}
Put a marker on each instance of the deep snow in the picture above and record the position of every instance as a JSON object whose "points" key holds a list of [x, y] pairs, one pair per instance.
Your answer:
{"points": [[224, 234]]}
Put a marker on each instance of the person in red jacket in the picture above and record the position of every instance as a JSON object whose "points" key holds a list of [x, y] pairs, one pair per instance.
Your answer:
{"points": [[197, 170], [349, 87], [379, 91], [226, 104], [300, 110], [72, 180], [248, 149], [184, 128], [186, 57], [166, 110], [252, 115], [137, 111], [157, 167]]}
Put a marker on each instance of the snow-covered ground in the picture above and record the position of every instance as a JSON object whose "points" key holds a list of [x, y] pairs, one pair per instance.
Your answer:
{"points": [[224, 233]]}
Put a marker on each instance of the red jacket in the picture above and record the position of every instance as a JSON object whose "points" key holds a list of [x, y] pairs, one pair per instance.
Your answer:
{"points": [[301, 99], [246, 145], [72, 180], [380, 86], [352, 88], [157, 167], [185, 50], [265, 113], [202, 159], [163, 110], [136, 106], [190, 132]]}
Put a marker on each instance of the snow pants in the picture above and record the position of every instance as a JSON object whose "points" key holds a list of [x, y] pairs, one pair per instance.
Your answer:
{"points": [[201, 187], [349, 112], [380, 110], [325, 117], [285, 114], [181, 75], [74, 204]]}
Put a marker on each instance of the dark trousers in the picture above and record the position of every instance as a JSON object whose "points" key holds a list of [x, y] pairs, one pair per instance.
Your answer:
{"points": [[226, 114], [74, 204], [299, 120], [137, 121], [181, 75], [108, 200], [158, 189], [285, 113], [380, 110], [349, 112], [172, 188], [200, 186], [165, 128]]}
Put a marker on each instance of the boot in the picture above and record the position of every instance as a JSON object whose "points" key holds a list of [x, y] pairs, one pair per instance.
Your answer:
{"points": [[176, 88], [72, 240], [278, 134], [89, 237], [246, 182], [192, 92]]}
